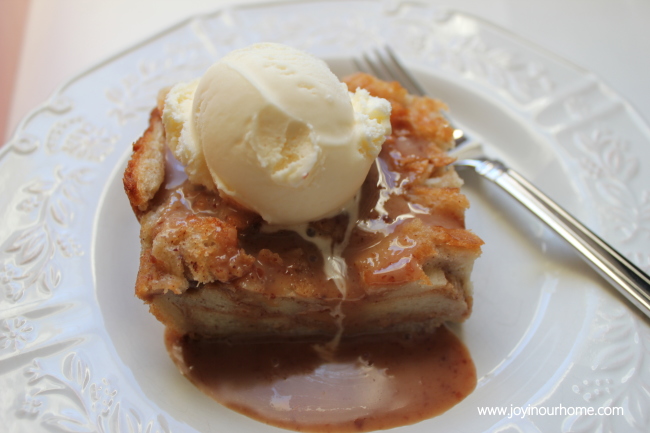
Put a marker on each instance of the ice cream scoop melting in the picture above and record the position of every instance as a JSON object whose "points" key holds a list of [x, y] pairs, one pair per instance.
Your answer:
{"points": [[334, 267], [273, 128]]}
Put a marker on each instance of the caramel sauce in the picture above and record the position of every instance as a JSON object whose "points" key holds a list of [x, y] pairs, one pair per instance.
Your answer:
{"points": [[369, 384], [383, 207]]}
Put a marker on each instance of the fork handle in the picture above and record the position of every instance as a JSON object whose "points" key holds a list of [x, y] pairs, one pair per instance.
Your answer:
{"points": [[626, 277]]}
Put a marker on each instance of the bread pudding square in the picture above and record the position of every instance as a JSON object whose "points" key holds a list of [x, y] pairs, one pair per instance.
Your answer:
{"points": [[211, 268]]}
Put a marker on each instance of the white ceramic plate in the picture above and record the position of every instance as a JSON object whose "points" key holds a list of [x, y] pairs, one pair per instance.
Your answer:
{"points": [[78, 352]]}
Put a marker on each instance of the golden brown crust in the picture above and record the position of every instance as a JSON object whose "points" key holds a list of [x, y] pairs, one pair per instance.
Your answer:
{"points": [[444, 202], [145, 171], [181, 248], [204, 247], [420, 244]]}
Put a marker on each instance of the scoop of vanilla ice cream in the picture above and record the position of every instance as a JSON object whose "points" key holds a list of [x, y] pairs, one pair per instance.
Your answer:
{"points": [[272, 127]]}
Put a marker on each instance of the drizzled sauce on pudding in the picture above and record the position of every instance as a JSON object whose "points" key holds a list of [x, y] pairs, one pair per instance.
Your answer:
{"points": [[371, 383], [392, 221]]}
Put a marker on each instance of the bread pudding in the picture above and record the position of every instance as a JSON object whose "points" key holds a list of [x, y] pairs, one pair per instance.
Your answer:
{"points": [[213, 268]]}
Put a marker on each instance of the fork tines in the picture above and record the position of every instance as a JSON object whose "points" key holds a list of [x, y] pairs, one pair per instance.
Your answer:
{"points": [[384, 64]]}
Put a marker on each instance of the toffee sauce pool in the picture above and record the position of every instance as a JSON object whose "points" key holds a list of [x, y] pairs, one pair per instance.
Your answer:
{"points": [[367, 384]]}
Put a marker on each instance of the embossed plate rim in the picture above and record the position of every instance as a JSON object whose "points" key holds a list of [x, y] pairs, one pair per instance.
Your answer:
{"points": [[37, 345]]}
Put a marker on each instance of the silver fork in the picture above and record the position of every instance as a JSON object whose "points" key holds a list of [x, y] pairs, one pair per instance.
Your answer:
{"points": [[626, 277]]}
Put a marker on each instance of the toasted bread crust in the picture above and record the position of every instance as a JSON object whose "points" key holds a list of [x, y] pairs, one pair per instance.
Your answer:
{"points": [[145, 171]]}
